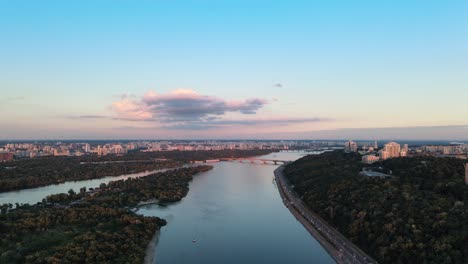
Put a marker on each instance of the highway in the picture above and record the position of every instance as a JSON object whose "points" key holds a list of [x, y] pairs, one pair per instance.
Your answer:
{"points": [[339, 247]]}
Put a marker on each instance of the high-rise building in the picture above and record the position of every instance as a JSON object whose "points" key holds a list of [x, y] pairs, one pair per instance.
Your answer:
{"points": [[86, 148], [383, 154], [350, 146], [376, 146], [393, 149], [405, 148], [6, 156], [466, 174], [449, 150]]}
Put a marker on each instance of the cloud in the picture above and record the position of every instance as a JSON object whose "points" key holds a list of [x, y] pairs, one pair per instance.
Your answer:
{"points": [[188, 110], [279, 85], [182, 106], [269, 121], [128, 108], [88, 117], [220, 123]]}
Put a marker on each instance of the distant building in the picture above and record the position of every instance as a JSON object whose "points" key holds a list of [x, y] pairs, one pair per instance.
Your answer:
{"points": [[393, 149], [449, 150], [383, 154], [87, 148], [466, 174], [446, 150], [350, 146], [405, 148], [369, 159], [6, 156], [376, 146]]}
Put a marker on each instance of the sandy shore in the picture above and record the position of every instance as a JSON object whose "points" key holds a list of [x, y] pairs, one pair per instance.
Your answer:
{"points": [[150, 254]]}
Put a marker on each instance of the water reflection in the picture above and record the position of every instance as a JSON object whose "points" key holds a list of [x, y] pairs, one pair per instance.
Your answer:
{"points": [[233, 212], [235, 215], [35, 195]]}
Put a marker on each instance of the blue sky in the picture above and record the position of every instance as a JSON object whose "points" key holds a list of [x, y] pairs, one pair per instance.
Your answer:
{"points": [[82, 69]]}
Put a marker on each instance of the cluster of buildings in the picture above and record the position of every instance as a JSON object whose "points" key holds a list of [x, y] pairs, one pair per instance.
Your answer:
{"points": [[9, 151], [455, 149], [31, 150], [215, 145], [372, 153]]}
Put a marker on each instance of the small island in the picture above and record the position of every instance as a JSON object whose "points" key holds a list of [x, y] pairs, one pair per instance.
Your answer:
{"points": [[43, 171], [90, 226]]}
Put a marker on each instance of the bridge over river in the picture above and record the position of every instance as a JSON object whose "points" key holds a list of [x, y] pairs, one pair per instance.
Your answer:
{"points": [[252, 160]]}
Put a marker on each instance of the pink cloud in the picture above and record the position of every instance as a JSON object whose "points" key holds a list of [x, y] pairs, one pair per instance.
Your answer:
{"points": [[131, 109], [182, 105]]}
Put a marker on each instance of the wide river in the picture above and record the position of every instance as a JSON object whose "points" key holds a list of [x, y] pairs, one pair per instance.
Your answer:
{"points": [[232, 214]]}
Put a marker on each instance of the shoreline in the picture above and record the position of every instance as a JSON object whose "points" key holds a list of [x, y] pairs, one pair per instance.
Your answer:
{"points": [[150, 252], [140, 204], [338, 247]]}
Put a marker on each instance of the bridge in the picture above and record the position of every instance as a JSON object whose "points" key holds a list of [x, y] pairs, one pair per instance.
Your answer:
{"points": [[311, 150], [257, 160], [252, 160]]}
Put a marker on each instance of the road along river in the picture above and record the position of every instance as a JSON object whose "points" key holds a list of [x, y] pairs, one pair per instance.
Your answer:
{"points": [[339, 247]]}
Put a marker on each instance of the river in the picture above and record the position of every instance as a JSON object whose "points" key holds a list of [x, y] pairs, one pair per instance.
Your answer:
{"points": [[232, 214], [35, 195], [235, 215]]}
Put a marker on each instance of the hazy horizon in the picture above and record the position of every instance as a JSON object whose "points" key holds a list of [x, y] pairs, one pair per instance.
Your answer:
{"points": [[458, 133]]}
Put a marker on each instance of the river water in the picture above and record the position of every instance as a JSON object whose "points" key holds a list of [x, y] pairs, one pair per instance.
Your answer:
{"points": [[35, 195], [232, 214]]}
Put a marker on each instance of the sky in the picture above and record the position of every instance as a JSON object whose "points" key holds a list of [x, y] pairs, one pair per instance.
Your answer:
{"points": [[233, 69]]}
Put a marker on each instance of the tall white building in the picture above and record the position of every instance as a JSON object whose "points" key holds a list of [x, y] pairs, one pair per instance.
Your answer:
{"points": [[350, 146]]}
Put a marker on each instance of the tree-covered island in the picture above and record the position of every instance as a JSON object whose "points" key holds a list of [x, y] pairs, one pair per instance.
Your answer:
{"points": [[96, 226], [31, 173]]}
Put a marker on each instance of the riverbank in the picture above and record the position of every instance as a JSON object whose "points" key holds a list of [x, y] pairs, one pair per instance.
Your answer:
{"points": [[33, 173], [340, 249], [418, 215], [92, 222], [150, 252], [209, 214]]}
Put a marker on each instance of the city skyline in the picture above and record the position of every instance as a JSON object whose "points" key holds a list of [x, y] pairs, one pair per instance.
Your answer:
{"points": [[234, 70]]}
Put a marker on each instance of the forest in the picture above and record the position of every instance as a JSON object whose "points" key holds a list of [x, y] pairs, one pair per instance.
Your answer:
{"points": [[184, 156], [417, 216], [31, 173], [90, 226]]}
